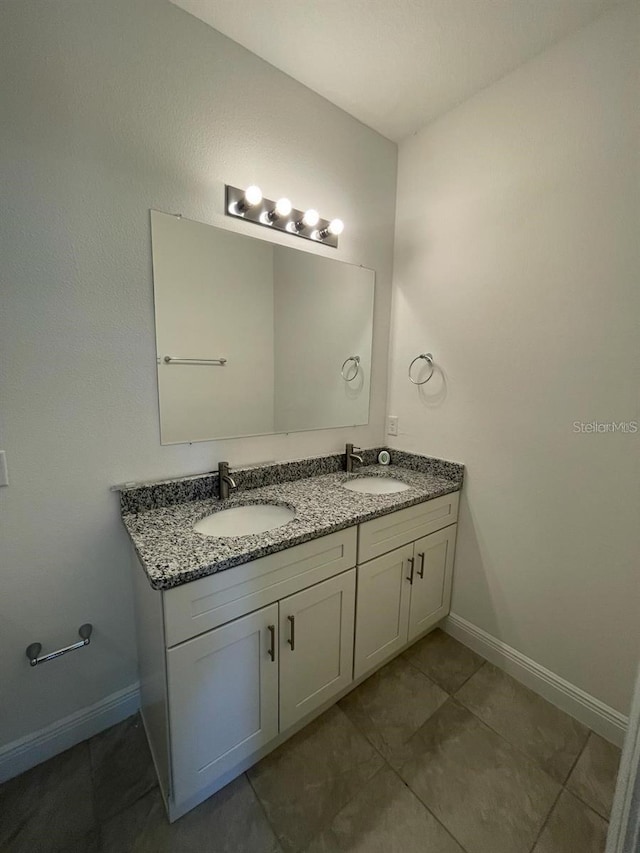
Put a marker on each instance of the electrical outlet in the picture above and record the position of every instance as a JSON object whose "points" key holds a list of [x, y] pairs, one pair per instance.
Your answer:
{"points": [[4, 474], [392, 425]]}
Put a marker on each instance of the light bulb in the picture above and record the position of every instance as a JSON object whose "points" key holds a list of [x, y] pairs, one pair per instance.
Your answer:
{"points": [[280, 211], [283, 207], [335, 227], [252, 196], [311, 218]]}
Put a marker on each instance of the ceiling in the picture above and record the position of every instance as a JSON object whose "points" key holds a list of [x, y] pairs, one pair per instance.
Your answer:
{"points": [[396, 64]]}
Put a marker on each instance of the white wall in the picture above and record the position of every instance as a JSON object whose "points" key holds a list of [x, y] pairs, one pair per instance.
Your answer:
{"points": [[109, 108], [213, 298], [517, 264], [323, 314]]}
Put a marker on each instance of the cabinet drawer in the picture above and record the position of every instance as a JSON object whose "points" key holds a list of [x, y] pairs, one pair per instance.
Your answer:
{"points": [[203, 604], [391, 531]]}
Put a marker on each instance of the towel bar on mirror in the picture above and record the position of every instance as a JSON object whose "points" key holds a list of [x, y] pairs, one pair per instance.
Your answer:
{"points": [[170, 359], [33, 650], [428, 357]]}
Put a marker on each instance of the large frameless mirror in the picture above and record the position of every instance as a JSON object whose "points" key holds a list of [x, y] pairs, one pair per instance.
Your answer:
{"points": [[255, 338]]}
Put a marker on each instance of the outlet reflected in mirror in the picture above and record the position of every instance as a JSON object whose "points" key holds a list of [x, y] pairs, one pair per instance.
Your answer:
{"points": [[252, 337]]}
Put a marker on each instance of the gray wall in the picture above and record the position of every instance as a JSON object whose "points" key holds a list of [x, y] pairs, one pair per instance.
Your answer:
{"points": [[517, 263], [109, 108]]}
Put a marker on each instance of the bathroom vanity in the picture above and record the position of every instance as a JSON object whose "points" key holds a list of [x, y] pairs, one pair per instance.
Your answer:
{"points": [[245, 639]]}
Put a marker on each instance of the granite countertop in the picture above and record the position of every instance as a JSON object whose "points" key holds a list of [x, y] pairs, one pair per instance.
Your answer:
{"points": [[172, 553]]}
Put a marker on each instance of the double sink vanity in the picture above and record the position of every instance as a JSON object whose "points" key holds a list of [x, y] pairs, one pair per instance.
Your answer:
{"points": [[258, 611]]}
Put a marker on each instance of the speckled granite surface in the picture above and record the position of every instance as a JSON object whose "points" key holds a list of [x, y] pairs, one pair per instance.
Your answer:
{"points": [[161, 493], [172, 553], [167, 492]]}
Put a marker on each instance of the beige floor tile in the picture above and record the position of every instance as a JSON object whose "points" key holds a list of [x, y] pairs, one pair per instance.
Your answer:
{"points": [[307, 780], [384, 817], [49, 807], [391, 705], [88, 844], [444, 660], [122, 767], [529, 722], [486, 793], [230, 821], [572, 828], [594, 777]]}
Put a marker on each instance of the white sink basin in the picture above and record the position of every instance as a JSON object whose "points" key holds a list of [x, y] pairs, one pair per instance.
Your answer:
{"points": [[376, 485], [244, 520]]}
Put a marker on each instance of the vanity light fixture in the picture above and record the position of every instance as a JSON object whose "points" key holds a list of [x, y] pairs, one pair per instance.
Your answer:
{"points": [[249, 204]]}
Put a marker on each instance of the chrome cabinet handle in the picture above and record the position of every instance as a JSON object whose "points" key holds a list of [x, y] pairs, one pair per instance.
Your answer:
{"points": [[411, 561], [272, 634], [292, 635], [421, 569]]}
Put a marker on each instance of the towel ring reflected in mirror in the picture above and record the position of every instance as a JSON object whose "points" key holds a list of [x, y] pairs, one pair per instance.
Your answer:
{"points": [[355, 359], [428, 357]]}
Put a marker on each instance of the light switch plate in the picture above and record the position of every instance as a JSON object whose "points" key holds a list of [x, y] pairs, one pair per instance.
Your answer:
{"points": [[4, 473]]}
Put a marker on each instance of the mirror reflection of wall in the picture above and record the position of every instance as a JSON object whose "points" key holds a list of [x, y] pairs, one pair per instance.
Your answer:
{"points": [[284, 319]]}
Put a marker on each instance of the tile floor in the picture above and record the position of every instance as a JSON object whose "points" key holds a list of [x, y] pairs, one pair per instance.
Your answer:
{"points": [[438, 752]]}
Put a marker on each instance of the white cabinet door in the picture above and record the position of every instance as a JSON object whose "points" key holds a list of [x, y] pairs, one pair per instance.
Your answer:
{"points": [[316, 646], [433, 572], [382, 612], [223, 698]]}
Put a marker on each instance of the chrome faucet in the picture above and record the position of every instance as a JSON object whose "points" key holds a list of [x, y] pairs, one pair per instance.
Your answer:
{"points": [[350, 456], [225, 480]]}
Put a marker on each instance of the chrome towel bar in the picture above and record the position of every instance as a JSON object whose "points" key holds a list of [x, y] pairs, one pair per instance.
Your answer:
{"points": [[33, 650], [170, 359]]}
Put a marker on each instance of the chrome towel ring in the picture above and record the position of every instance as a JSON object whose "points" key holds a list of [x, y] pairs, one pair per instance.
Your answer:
{"points": [[356, 362], [428, 357]]}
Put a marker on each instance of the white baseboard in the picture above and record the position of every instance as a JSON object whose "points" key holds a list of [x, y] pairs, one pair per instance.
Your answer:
{"points": [[603, 719], [34, 748]]}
